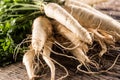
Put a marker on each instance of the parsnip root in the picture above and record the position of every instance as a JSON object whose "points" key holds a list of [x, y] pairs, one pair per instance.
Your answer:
{"points": [[28, 60], [80, 25], [41, 30], [89, 2], [103, 39], [78, 51], [91, 18], [46, 57], [56, 12]]}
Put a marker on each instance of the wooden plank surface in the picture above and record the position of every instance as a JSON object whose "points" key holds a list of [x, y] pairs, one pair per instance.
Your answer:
{"points": [[17, 71]]}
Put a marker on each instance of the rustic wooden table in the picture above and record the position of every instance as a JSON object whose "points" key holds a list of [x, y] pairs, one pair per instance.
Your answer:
{"points": [[17, 71]]}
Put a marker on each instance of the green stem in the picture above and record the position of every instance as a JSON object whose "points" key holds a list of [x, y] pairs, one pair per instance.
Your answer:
{"points": [[25, 5], [17, 9]]}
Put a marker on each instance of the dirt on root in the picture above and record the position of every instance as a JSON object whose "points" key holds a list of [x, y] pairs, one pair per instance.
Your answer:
{"points": [[17, 71]]}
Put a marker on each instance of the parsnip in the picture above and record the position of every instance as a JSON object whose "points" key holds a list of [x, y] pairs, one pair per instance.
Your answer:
{"points": [[41, 30], [89, 2], [46, 57], [28, 60], [80, 4], [80, 55], [91, 19], [72, 37], [78, 52], [41, 34], [56, 12]]}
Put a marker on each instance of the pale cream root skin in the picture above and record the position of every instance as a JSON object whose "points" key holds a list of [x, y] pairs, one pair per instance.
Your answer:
{"points": [[80, 55], [104, 48], [41, 36], [72, 37], [89, 2], [41, 29], [80, 4], [103, 39], [92, 2], [46, 57], [91, 18], [70, 28], [108, 38], [100, 24], [28, 61], [81, 48], [45, 25], [58, 13]]}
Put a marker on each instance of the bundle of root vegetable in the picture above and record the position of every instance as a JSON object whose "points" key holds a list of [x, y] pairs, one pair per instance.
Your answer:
{"points": [[74, 27]]}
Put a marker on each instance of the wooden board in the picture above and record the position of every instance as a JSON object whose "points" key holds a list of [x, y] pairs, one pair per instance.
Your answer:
{"points": [[17, 71]]}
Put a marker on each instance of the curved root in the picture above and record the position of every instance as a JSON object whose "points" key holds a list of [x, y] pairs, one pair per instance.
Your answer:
{"points": [[103, 38], [46, 57], [18, 47], [28, 60], [63, 68], [78, 37]]}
